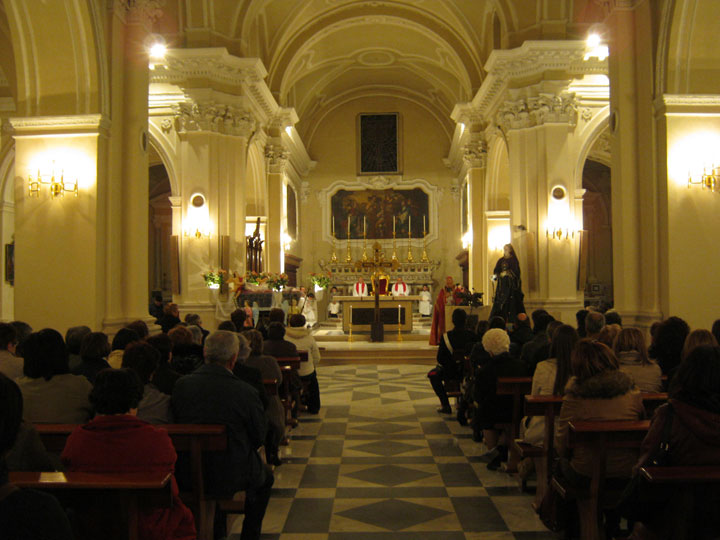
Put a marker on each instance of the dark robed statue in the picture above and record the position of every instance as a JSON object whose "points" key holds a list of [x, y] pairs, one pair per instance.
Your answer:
{"points": [[508, 300]]}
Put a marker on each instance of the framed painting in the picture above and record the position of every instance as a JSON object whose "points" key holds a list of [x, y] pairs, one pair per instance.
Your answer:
{"points": [[379, 143], [373, 210], [10, 263], [291, 202]]}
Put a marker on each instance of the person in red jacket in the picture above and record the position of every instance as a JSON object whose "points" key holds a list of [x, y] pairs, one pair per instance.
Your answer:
{"points": [[116, 441]]}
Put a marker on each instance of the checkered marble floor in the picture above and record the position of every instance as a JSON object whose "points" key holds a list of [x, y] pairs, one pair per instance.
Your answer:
{"points": [[378, 463]]}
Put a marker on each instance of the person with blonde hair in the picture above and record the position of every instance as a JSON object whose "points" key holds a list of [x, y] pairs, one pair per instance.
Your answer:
{"points": [[695, 339], [608, 334], [633, 358]]}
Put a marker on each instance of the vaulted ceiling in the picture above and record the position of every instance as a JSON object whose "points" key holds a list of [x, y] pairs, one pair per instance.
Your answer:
{"points": [[322, 53]]}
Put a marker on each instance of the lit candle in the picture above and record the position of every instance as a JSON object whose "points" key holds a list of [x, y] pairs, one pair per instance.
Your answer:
{"points": [[333, 224], [350, 321], [409, 226], [364, 225], [398, 314], [423, 224], [348, 235], [393, 224]]}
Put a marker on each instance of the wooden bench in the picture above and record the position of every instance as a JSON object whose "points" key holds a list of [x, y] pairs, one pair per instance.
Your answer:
{"points": [[599, 437], [549, 407], [517, 387], [271, 386], [114, 500], [194, 439]]}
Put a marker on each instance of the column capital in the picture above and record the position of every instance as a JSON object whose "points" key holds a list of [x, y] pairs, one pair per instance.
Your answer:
{"points": [[474, 153], [545, 108], [276, 157], [214, 117]]}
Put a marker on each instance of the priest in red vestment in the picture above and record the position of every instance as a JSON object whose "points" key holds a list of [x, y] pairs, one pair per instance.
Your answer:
{"points": [[446, 296]]}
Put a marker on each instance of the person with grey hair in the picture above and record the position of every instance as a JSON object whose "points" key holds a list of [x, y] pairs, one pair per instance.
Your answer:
{"points": [[197, 334], [493, 409], [213, 395], [594, 323]]}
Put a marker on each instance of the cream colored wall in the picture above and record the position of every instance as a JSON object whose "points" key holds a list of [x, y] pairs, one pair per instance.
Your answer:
{"points": [[424, 147], [693, 220], [7, 228]]}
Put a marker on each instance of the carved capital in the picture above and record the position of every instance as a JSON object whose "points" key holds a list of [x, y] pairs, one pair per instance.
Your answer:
{"points": [[214, 117], [475, 154], [276, 156], [304, 191], [538, 110]]}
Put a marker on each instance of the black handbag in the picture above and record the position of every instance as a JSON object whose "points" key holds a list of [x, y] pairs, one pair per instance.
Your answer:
{"points": [[640, 501]]}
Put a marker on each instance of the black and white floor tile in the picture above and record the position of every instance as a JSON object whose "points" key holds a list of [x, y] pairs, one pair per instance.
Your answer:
{"points": [[379, 463]]}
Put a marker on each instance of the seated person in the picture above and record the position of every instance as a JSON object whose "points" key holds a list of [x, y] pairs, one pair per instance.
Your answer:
{"points": [[116, 441], [51, 393], [360, 288], [143, 359], [597, 390], [122, 339], [73, 341], [310, 310], [10, 365], [276, 345], [164, 377], [458, 339], [400, 288], [694, 440], [275, 412], [491, 408], [187, 355], [213, 395], [170, 318], [304, 341], [24, 513], [633, 358], [333, 306], [94, 350]]}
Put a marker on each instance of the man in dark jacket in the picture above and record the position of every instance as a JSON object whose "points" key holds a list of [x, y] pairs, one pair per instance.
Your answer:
{"points": [[213, 395], [459, 341], [540, 318]]}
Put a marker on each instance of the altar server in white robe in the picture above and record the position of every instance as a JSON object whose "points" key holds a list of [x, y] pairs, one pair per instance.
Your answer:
{"points": [[400, 288], [360, 288], [310, 310], [425, 304]]}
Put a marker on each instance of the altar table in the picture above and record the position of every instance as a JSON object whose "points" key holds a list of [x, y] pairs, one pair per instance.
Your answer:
{"points": [[363, 312]]}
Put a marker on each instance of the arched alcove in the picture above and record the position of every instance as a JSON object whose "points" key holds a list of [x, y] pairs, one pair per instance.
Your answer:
{"points": [[159, 226]]}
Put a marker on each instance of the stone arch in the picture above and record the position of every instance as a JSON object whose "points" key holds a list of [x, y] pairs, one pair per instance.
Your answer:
{"points": [[497, 184], [256, 181], [58, 72], [591, 133], [163, 143]]}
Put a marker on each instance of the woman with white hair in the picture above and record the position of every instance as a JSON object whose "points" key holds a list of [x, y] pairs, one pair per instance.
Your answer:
{"points": [[493, 409]]}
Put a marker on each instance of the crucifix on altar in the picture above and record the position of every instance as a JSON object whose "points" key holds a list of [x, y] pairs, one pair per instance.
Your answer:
{"points": [[375, 265]]}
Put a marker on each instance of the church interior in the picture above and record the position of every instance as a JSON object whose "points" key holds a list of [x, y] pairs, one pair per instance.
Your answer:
{"points": [[195, 148]]}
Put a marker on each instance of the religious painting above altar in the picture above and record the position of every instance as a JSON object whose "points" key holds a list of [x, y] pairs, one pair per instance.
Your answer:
{"points": [[377, 213]]}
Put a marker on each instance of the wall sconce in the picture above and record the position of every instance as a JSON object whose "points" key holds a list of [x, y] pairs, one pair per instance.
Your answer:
{"points": [[559, 225], [467, 240], [197, 220], [57, 188], [709, 181]]}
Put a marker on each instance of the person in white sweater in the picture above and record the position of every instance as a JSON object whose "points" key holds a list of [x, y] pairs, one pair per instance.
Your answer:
{"points": [[304, 341]]}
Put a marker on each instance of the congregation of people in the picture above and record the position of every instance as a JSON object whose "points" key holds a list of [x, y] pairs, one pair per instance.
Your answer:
{"points": [[120, 393], [601, 370]]}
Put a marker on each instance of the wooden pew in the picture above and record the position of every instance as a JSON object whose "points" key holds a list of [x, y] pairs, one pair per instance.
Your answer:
{"points": [[271, 386], [193, 439], [549, 407], [517, 387], [115, 499], [599, 436], [681, 475]]}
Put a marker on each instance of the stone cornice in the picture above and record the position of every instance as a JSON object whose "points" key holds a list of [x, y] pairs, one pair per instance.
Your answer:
{"points": [[185, 67], [55, 125], [467, 114], [688, 104]]}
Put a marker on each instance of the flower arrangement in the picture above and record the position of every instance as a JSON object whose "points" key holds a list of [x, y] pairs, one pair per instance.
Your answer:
{"points": [[213, 279], [256, 278], [277, 281], [321, 280]]}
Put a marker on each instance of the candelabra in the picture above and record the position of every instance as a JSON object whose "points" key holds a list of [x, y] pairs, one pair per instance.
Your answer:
{"points": [[348, 257], [409, 253]]}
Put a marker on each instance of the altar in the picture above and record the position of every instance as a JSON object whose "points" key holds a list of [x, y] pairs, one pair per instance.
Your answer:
{"points": [[361, 311]]}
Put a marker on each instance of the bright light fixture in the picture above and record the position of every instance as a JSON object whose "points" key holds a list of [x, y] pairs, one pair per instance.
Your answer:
{"points": [[593, 40], [288, 130], [158, 50]]}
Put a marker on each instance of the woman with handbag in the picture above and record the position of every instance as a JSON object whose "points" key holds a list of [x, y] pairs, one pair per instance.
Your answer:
{"points": [[686, 431]]}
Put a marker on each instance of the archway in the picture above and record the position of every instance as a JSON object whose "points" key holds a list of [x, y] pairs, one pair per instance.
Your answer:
{"points": [[159, 227]]}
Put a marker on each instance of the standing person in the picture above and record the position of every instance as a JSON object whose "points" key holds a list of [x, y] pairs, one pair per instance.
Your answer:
{"points": [[303, 340], [117, 441], [360, 288], [445, 297], [508, 299], [425, 303], [213, 395], [310, 310]]}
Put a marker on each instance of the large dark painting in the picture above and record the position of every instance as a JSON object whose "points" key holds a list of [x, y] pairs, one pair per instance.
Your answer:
{"points": [[376, 207], [291, 213], [379, 148]]}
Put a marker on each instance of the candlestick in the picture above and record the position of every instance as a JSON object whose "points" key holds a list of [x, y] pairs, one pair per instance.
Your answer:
{"points": [[350, 336], [409, 226], [423, 224], [348, 257], [393, 226], [332, 223], [364, 225], [394, 253], [409, 253], [399, 336]]}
